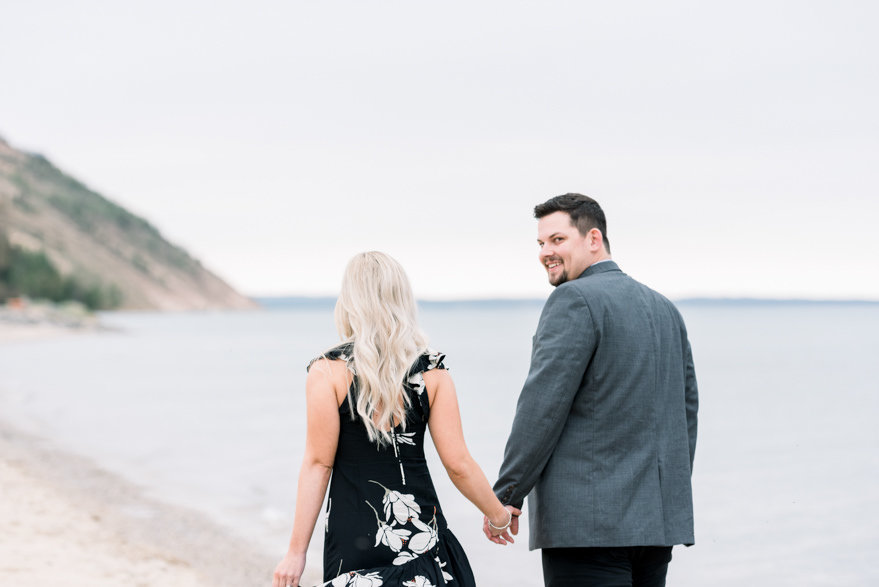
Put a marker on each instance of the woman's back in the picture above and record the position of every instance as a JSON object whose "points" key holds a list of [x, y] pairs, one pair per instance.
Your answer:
{"points": [[384, 524], [383, 519]]}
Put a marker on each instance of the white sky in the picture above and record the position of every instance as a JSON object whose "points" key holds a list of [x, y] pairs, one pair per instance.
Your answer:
{"points": [[735, 148]]}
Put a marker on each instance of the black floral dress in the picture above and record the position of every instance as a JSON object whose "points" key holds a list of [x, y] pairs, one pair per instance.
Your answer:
{"points": [[384, 525]]}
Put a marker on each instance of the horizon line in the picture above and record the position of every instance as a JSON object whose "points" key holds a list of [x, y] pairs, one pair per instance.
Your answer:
{"points": [[531, 299]]}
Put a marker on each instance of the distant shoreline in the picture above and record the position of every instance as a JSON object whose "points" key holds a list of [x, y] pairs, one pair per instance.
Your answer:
{"points": [[15, 333], [29, 320], [15, 329], [775, 302]]}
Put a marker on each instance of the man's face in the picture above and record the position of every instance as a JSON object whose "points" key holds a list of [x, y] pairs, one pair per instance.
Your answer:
{"points": [[564, 252]]}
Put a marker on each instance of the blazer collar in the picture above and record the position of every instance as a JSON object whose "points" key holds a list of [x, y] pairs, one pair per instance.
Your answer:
{"points": [[602, 267]]}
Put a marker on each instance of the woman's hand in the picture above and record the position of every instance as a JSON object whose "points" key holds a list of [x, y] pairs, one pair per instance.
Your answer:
{"points": [[289, 570], [499, 531]]}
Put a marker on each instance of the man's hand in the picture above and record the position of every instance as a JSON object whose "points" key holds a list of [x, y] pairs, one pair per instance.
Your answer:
{"points": [[502, 537]]}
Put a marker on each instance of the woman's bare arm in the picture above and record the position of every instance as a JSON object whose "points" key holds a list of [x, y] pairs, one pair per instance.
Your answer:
{"points": [[322, 388], [448, 437]]}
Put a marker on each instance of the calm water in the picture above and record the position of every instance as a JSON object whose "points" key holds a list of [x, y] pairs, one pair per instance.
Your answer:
{"points": [[206, 410]]}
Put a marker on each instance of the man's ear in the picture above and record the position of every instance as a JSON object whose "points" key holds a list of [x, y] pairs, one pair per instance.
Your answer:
{"points": [[594, 240]]}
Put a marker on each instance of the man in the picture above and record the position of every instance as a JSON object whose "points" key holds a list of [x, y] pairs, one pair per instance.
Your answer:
{"points": [[605, 428]]}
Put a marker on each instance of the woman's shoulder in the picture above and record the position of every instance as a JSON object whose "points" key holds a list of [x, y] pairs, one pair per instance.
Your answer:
{"points": [[340, 352]]}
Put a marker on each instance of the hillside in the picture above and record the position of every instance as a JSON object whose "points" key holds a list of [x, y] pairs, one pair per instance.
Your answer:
{"points": [[50, 218]]}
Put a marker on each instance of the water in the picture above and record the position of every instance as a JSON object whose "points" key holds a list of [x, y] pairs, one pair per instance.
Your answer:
{"points": [[207, 411]]}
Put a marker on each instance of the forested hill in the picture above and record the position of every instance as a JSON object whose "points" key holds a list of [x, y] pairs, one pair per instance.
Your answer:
{"points": [[60, 240]]}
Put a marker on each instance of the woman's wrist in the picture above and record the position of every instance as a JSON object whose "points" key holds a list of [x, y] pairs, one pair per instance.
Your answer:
{"points": [[297, 550], [502, 521]]}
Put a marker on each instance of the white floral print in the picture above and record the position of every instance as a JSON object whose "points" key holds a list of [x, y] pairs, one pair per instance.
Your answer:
{"points": [[406, 438], [393, 538], [446, 575], [355, 579], [401, 509], [419, 581], [368, 580], [434, 359], [404, 557], [402, 505], [424, 540], [416, 380]]}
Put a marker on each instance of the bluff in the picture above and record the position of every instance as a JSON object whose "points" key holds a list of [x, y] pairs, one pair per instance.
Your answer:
{"points": [[58, 225]]}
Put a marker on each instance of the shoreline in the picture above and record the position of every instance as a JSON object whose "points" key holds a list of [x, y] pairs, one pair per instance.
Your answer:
{"points": [[27, 321], [17, 333], [66, 519]]}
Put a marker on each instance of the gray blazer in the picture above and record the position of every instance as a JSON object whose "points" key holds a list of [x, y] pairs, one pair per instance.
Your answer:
{"points": [[605, 428]]}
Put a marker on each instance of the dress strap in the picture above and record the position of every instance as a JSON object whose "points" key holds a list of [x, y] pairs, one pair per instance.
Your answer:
{"points": [[342, 352], [431, 359]]}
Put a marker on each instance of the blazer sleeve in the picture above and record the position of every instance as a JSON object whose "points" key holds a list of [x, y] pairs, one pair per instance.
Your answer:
{"points": [[563, 346], [691, 397]]}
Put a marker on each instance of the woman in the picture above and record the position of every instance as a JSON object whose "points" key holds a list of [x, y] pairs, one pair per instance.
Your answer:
{"points": [[369, 402]]}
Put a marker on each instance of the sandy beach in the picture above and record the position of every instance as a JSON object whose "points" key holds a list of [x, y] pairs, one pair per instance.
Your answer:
{"points": [[66, 520], [47, 538]]}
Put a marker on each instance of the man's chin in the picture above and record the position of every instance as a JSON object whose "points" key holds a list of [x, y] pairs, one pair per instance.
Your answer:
{"points": [[558, 280]]}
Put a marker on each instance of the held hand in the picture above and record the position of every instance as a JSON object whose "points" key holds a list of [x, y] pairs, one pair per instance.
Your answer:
{"points": [[514, 525], [501, 534], [289, 570]]}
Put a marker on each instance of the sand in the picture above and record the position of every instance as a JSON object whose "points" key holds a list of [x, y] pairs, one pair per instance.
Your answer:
{"points": [[47, 539], [66, 521]]}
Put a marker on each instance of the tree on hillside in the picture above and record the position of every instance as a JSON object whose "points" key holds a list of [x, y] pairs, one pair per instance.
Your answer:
{"points": [[5, 262], [5, 251], [32, 274]]}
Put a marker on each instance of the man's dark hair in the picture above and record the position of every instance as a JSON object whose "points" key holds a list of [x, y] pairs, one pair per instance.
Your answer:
{"points": [[585, 213]]}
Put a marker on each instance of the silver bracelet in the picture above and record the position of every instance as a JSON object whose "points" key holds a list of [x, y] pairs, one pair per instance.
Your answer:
{"points": [[504, 527]]}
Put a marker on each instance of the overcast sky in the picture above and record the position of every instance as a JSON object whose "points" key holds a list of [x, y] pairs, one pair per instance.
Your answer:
{"points": [[734, 146]]}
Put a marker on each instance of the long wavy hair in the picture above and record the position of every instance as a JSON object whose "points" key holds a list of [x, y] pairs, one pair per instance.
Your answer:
{"points": [[376, 311]]}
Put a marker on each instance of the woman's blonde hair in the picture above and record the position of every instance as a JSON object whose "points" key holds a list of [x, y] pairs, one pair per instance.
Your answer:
{"points": [[376, 311]]}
